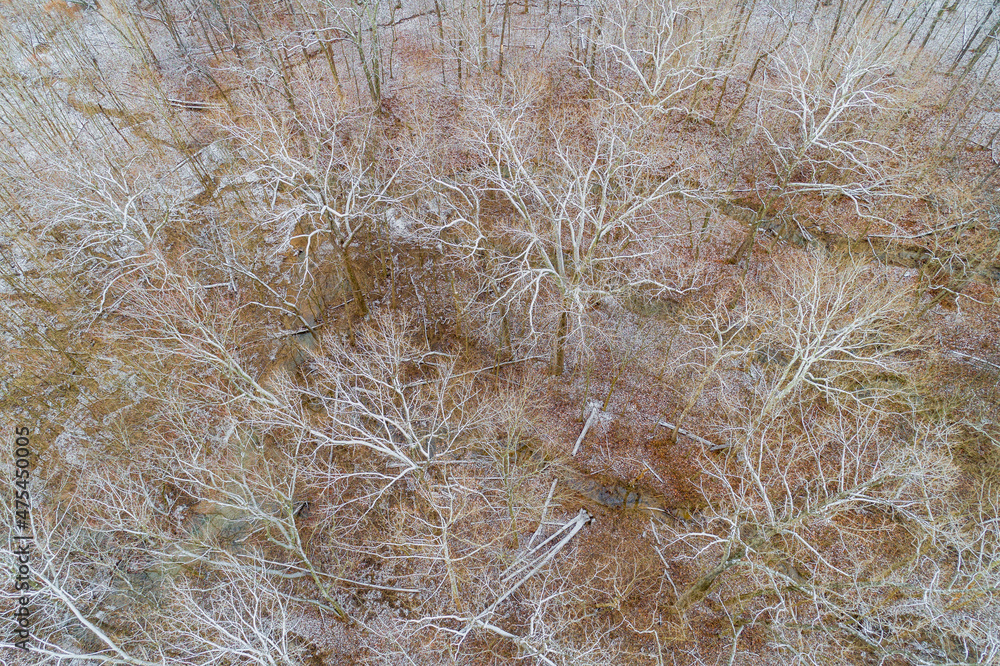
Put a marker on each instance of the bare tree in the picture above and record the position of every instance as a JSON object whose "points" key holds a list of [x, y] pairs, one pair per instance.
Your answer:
{"points": [[825, 109], [577, 220], [362, 25], [112, 589], [827, 458], [317, 174], [819, 128], [655, 54]]}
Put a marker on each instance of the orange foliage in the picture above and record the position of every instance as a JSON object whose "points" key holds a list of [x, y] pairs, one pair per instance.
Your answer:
{"points": [[63, 8]]}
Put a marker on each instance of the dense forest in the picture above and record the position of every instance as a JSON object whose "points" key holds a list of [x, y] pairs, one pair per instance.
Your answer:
{"points": [[492, 332]]}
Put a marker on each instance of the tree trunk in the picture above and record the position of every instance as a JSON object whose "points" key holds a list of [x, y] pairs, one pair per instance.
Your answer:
{"points": [[559, 360], [357, 293]]}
